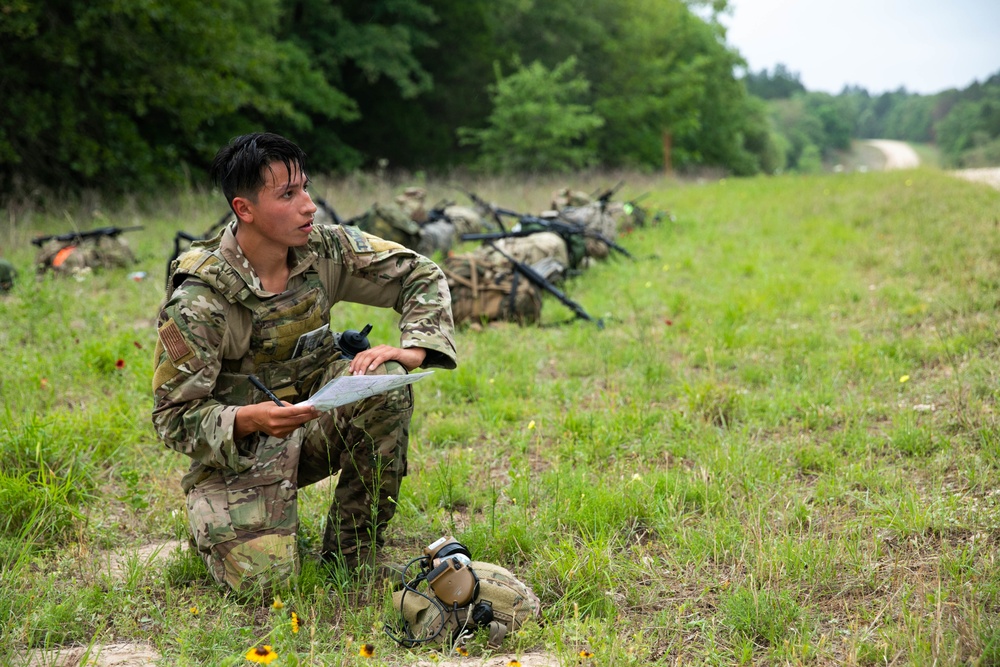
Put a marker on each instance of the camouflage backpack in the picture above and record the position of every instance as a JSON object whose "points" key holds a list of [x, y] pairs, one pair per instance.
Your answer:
{"points": [[466, 220], [566, 197], [67, 258], [594, 218], [412, 203], [484, 291], [576, 244], [389, 222], [530, 249], [429, 621], [437, 236]]}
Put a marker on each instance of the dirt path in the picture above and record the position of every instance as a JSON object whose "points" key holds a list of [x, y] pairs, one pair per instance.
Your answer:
{"points": [[989, 175], [898, 154]]}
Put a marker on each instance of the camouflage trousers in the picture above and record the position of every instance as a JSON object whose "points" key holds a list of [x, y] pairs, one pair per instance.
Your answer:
{"points": [[245, 524]]}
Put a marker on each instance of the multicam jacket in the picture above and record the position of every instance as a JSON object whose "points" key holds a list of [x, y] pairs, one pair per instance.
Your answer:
{"points": [[218, 325]]}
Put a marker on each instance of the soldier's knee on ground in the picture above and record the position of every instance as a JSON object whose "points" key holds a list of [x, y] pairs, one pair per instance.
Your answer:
{"points": [[260, 564]]}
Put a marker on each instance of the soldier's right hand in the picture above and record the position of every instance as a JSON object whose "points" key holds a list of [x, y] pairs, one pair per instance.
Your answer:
{"points": [[270, 419]]}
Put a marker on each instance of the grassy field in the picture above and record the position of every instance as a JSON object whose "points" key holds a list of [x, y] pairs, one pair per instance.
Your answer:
{"points": [[783, 447]]}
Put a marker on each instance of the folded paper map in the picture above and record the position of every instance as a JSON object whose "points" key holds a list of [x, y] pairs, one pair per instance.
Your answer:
{"points": [[351, 388]]}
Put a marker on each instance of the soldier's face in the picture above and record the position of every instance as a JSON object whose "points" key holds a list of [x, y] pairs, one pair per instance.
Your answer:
{"points": [[284, 211]]}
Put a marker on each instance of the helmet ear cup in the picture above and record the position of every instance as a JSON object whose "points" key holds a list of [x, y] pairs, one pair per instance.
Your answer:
{"points": [[454, 549], [453, 582], [446, 547]]}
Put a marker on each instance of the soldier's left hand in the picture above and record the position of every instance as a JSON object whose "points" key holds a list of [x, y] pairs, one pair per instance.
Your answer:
{"points": [[370, 359]]}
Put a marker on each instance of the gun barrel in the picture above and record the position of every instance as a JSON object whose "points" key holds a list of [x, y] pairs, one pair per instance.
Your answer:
{"points": [[539, 280], [92, 233]]}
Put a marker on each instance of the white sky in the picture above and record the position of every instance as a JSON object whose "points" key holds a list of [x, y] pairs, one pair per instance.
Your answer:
{"points": [[925, 45]]}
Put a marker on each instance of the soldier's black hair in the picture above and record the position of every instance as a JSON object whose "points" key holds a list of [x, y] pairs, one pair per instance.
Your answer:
{"points": [[238, 167]]}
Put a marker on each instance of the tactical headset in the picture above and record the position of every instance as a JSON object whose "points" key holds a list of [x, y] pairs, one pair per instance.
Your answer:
{"points": [[445, 566]]}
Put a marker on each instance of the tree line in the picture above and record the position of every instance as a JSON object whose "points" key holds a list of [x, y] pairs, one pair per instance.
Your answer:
{"points": [[119, 96], [130, 96], [963, 124]]}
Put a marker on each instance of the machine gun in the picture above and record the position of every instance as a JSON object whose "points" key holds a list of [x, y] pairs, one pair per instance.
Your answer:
{"points": [[531, 224], [182, 236], [544, 284], [484, 205], [70, 237], [322, 203], [606, 196], [437, 214]]}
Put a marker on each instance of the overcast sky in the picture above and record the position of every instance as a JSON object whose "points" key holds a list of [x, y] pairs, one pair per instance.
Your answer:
{"points": [[925, 45]]}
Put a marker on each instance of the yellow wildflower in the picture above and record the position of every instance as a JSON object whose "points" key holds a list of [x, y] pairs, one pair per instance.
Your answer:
{"points": [[531, 424], [514, 663], [295, 622], [193, 610], [461, 650], [277, 604], [585, 654], [905, 378], [367, 650], [262, 654]]}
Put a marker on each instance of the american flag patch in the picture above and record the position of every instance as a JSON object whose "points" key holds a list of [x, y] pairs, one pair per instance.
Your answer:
{"points": [[173, 342]]}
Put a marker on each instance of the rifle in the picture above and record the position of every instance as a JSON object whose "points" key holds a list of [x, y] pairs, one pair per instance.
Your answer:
{"points": [[483, 204], [329, 210], [110, 232], [437, 213], [606, 196], [541, 282], [562, 227]]}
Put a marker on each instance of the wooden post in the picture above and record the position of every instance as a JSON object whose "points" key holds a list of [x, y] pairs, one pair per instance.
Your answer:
{"points": [[668, 166]]}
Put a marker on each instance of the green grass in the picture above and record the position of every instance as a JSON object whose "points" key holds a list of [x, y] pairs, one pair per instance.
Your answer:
{"points": [[783, 448]]}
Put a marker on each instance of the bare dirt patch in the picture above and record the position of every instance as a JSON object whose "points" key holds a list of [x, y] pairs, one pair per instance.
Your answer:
{"points": [[109, 655], [143, 556], [527, 660]]}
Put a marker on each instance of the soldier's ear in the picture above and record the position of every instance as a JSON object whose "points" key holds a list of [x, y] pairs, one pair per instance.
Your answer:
{"points": [[243, 208]]}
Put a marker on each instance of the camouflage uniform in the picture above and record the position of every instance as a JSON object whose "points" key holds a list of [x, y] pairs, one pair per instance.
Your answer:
{"points": [[528, 249], [466, 220], [218, 325], [595, 218], [73, 257], [412, 202]]}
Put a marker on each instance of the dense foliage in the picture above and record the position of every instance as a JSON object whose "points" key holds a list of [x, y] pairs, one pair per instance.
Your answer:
{"points": [[964, 124], [116, 96]]}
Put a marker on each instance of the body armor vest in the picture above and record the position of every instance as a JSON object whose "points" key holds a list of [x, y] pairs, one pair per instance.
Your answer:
{"points": [[277, 323]]}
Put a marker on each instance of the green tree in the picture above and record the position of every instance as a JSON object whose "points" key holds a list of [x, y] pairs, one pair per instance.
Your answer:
{"points": [[118, 95], [800, 129], [372, 51], [537, 123], [780, 85]]}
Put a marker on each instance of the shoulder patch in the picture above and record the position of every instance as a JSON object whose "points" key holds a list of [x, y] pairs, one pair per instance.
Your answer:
{"points": [[381, 245], [173, 342], [357, 239]]}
